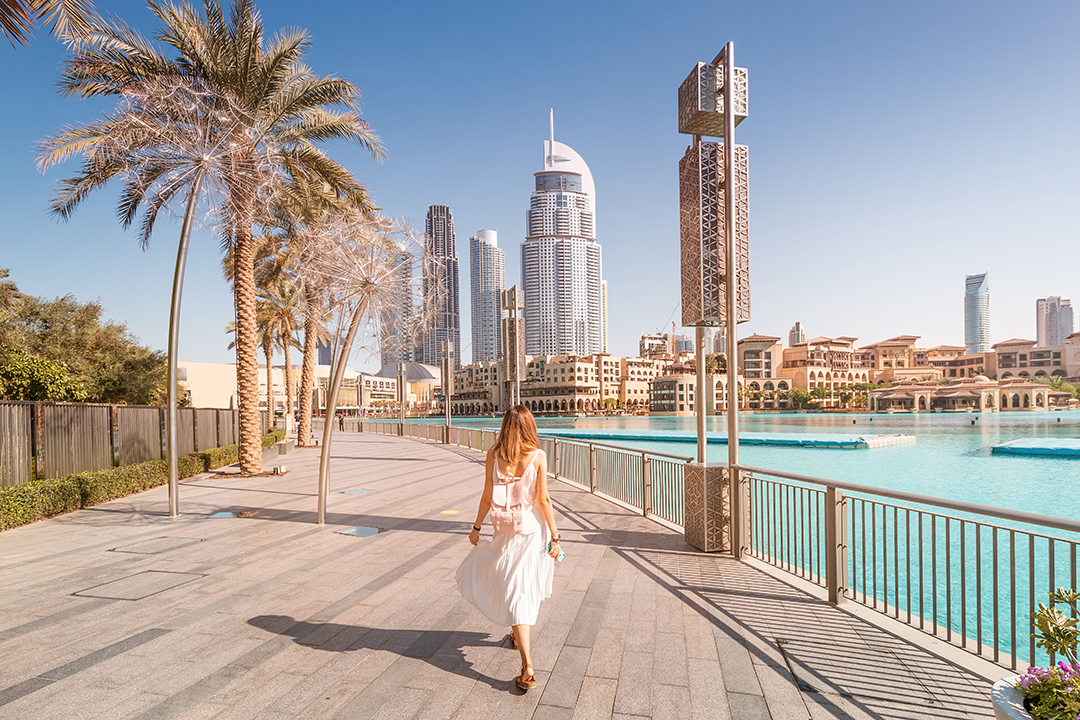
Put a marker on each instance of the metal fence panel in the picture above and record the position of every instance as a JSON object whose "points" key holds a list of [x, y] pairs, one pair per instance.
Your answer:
{"points": [[206, 439], [226, 428], [75, 438], [618, 474], [16, 437], [140, 433], [185, 431]]}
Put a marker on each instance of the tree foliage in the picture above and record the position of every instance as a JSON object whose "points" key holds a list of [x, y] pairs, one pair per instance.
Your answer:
{"points": [[103, 357], [25, 376]]}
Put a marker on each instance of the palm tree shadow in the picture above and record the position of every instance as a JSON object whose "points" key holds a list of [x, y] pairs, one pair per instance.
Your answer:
{"points": [[442, 649]]}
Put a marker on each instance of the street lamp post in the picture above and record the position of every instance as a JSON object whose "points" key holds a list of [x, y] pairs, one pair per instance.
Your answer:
{"points": [[713, 222], [401, 393], [513, 300], [447, 381]]}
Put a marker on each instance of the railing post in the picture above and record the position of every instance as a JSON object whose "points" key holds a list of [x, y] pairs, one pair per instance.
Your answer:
{"points": [[592, 468], [555, 464], [646, 485], [835, 545], [737, 513]]}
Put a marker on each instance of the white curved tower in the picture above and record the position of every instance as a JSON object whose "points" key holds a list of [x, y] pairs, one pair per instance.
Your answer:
{"points": [[560, 258]]}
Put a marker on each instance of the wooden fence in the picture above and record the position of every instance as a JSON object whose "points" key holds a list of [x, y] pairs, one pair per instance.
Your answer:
{"points": [[50, 440]]}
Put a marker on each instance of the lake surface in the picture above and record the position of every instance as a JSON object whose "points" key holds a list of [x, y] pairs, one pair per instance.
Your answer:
{"points": [[951, 457]]}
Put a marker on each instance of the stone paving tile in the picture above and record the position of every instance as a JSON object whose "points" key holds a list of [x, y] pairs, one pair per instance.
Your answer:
{"points": [[292, 620]]}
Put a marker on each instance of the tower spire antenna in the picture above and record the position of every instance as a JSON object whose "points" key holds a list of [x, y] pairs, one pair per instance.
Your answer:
{"points": [[551, 121]]}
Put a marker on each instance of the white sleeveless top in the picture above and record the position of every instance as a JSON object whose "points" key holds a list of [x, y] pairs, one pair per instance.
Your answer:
{"points": [[530, 522]]}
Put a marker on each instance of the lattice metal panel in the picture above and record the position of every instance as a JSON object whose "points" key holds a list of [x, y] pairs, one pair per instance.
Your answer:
{"points": [[701, 229], [701, 100], [514, 351], [707, 503]]}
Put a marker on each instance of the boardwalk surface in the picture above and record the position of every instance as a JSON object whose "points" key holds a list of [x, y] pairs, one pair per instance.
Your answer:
{"points": [[119, 612]]}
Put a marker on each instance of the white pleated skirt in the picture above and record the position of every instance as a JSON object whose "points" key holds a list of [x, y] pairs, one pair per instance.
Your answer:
{"points": [[508, 577]]}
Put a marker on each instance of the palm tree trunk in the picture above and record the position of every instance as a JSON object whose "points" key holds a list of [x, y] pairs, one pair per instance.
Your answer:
{"points": [[247, 358], [287, 343], [307, 369]]}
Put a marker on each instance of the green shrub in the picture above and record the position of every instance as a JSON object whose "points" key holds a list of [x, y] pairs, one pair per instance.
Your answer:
{"points": [[37, 499], [275, 435]]}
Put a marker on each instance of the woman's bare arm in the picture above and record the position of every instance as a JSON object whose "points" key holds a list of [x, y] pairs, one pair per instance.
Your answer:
{"points": [[485, 497], [543, 501]]}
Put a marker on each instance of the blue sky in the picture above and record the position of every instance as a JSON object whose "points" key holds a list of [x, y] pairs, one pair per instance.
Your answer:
{"points": [[894, 148]]}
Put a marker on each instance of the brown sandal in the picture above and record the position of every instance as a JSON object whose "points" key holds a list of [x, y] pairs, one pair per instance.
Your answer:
{"points": [[522, 682]]}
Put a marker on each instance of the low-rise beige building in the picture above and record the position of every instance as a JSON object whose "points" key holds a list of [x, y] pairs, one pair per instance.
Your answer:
{"points": [[977, 394], [823, 362]]}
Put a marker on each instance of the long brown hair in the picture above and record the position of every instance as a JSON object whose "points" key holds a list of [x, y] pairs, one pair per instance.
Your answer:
{"points": [[517, 435]]}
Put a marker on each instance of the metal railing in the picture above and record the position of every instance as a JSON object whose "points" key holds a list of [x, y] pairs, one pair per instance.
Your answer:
{"points": [[967, 574], [649, 482], [959, 576]]}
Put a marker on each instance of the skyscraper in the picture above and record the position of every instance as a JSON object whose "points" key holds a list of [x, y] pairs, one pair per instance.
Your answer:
{"points": [[977, 313], [487, 275], [1053, 321], [560, 258], [398, 340], [441, 287], [796, 335], [603, 314]]}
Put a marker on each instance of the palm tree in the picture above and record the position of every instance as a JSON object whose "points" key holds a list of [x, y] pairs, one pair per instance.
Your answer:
{"points": [[279, 307], [70, 19], [266, 342], [265, 112]]}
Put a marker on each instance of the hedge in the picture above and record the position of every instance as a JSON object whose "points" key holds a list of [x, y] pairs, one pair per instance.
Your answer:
{"points": [[39, 499]]}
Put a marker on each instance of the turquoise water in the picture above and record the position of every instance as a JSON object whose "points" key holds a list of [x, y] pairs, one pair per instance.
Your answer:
{"points": [[951, 457]]}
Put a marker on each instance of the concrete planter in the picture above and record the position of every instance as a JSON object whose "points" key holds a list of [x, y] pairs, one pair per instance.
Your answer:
{"points": [[1008, 701]]}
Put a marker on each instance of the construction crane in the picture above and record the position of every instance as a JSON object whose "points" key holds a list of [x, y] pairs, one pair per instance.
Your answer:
{"points": [[659, 330]]}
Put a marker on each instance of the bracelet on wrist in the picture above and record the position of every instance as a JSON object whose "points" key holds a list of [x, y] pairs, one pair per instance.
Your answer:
{"points": [[476, 528]]}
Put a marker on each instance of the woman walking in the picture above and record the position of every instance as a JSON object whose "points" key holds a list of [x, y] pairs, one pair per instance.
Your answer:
{"points": [[508, 577]]}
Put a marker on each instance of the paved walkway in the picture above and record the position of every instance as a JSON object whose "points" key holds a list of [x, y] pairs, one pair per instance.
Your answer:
{"points": [[119, 612]]}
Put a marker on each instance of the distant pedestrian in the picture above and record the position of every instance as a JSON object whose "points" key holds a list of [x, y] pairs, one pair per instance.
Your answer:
{"points": [[341, 422], [508, 577]]}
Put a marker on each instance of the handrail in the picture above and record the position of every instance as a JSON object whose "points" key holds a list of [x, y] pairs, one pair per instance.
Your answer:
{"points": [[961, 505], [582, 441]]}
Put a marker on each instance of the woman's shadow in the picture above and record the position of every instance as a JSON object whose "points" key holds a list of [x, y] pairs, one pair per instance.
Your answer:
{"points": [[442, 649]]}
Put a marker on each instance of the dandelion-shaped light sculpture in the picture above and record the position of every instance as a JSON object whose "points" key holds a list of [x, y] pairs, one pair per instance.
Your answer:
{"points": [[170, 140], [370, 269]]}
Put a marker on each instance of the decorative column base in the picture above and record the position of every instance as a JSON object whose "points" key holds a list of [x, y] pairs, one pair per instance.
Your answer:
{"points": [[707, 507]]}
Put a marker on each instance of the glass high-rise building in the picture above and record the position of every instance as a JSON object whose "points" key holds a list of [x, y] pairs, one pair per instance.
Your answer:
{"points": [[560, 258], [487, 275], [977, 313], [441, 287], [1053, 321]]}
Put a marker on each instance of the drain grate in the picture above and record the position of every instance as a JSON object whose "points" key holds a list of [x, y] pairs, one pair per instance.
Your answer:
{"points": [[138, 586], [854, 671], [362, 531], [357, 491], [234, 514], [156, 545]]}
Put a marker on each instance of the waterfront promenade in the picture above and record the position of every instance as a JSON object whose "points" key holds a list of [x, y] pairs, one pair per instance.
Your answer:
{"points": [[118, 611]]}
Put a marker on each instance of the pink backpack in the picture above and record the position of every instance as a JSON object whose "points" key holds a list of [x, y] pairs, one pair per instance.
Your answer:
{"points": [[508, 507]]}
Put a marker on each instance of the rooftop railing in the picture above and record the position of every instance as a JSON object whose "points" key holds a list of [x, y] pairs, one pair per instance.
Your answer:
{"points": [[968, 574]]}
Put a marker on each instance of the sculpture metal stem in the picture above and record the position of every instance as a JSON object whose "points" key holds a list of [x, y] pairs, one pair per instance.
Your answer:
{"points": [[174, 341]]}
